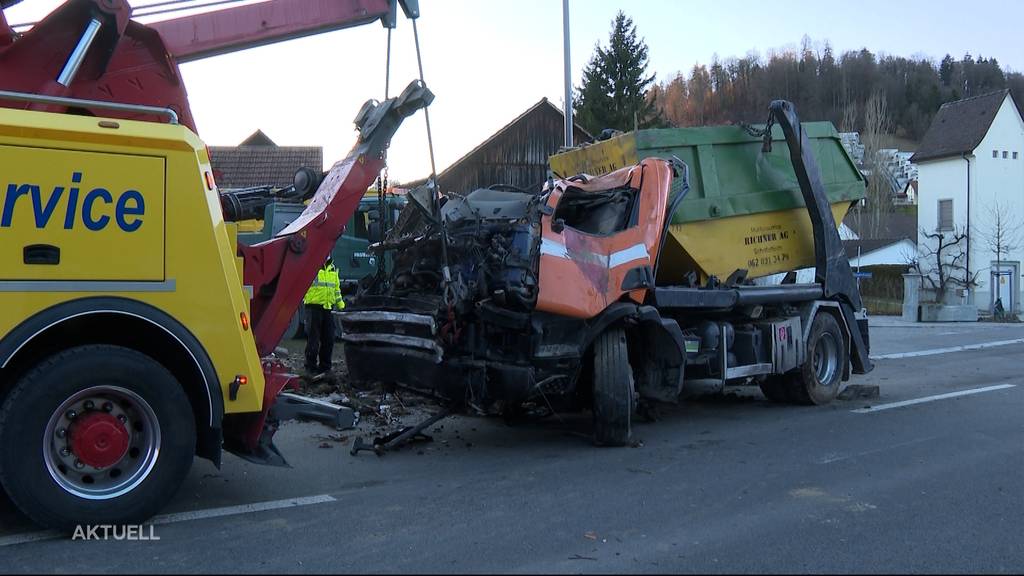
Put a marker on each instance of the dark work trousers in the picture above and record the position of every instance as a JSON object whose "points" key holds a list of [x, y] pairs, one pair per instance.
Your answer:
{"points": [[319, 338]]}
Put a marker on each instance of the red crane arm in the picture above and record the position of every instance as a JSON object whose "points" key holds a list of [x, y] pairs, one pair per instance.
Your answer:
{"points": [[233, 29], [89, 49], [281, 269]]}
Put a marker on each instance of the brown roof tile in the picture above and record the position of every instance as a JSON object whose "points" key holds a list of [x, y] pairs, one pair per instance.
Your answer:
{"points": [[244, 166]]}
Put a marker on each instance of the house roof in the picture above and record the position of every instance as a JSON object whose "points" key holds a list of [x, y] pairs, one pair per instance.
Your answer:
{"points": [[260, 162], [869, 246], [894, 226], [959, 127], [258, 138]]}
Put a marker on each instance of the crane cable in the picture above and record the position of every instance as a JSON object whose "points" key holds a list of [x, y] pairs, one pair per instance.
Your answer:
{"points": [[432, 182], [382, 179], [140, 11]]}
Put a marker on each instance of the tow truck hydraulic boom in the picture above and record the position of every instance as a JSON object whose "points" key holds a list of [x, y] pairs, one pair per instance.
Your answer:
{"points": [[92, 50]]}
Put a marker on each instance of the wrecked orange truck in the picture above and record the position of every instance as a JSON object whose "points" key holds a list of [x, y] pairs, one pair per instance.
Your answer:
{"points": [[509, 302]]}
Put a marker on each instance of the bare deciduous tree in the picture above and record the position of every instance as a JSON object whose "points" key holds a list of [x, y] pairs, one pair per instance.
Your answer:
{"points": [[1002, 236], [877, 128], [941, 259]]}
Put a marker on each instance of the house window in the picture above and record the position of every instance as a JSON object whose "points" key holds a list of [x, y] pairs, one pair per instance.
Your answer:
{"points": [[945, 215], [1005, 155], [995, 153]]}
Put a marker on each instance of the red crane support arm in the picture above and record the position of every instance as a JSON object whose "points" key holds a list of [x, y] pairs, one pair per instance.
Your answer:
{"points": [[89, 49], [281, 269], [210, 34]]}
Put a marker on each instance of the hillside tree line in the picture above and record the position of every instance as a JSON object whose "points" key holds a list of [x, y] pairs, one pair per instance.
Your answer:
{"points": [[619, 92], [826, 86]]}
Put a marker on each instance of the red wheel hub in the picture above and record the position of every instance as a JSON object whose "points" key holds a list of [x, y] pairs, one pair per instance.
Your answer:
{"points": [[99, 440]]}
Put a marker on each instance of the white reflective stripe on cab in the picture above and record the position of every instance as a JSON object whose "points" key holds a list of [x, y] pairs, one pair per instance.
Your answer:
{"points": [[558, 250], [635, 252]]}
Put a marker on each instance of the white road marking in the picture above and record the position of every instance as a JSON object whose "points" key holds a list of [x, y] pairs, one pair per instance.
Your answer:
{"points": [[186, 517], [932, 398], [935, 351], [242, 509]]}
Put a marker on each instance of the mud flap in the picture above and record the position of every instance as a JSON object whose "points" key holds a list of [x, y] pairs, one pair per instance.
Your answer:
{"points": [[251, 436], [663, 359]]}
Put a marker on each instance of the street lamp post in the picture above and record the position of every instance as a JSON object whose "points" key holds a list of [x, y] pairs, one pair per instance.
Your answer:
{"points": [[568, 75]]}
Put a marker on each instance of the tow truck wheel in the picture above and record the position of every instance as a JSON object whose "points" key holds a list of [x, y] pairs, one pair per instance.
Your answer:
{"points": [[614, 396], [95, 435], [818, 380]]}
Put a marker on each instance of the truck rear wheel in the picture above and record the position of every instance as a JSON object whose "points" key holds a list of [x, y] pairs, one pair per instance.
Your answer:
{"points": [[614, 396], [817, 381], [95, 435]]}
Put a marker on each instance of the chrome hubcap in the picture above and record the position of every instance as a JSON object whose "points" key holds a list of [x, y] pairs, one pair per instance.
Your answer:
{"points": [[101, 443], [826, 359]]}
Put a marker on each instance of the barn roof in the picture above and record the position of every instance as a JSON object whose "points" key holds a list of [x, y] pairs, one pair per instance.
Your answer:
{"points": [[468, 159]]}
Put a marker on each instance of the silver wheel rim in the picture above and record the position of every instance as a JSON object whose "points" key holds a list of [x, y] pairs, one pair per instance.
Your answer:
{"points": [[138, 460], [826, 358]]}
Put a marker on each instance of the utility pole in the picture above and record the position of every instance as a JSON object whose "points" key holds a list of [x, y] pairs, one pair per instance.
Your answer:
{"points": [[568, 75]]}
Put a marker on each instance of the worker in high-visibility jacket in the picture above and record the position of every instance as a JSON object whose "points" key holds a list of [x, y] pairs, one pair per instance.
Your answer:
{"points": [[323, 296]]}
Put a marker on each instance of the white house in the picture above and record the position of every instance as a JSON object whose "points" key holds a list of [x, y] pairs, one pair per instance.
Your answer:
{"points": [[971, 163]]}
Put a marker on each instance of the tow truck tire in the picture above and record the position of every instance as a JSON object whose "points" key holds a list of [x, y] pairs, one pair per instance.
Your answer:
{"points": [[95, 435], [817, 382], [614, 396]]}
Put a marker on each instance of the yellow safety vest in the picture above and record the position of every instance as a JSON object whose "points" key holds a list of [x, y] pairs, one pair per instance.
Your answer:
{"points": [[326, 289]]}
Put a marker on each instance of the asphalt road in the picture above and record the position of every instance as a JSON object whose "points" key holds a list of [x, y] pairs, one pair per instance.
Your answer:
{"points": [[734, 484]]}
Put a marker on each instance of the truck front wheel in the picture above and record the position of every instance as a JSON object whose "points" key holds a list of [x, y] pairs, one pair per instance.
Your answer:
{"points": [[95, 435], [614, 395]]}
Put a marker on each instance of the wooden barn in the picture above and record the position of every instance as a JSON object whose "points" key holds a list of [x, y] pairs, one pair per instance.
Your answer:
{"points": [[516, 155]]}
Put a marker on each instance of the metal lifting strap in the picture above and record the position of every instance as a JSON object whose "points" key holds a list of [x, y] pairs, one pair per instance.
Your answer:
{"points": [[445, 270], [382, 212]]}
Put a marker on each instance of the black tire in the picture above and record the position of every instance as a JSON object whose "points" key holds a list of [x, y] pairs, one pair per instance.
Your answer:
{"points": [[111, 379], [817, 382], [614, 398]]}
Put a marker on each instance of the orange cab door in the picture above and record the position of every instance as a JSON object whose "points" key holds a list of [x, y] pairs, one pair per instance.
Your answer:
{"points": [[582, 272]]}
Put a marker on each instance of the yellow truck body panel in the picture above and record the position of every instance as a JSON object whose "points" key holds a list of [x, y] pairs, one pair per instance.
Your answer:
{"points": [[92, 207]]}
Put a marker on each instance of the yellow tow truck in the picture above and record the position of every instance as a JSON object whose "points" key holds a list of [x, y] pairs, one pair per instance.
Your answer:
{"points": [[136, 332]]}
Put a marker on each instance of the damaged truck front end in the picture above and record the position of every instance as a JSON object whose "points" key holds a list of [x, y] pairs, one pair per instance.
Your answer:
{"points": [[501, 301], [533, 280]]}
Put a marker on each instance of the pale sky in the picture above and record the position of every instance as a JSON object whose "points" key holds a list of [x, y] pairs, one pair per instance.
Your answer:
{"points": [[489, 60]]}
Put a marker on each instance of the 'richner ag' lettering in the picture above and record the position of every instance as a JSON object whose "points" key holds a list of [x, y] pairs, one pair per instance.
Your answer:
{"points": [[129, 207], [760, 238]]}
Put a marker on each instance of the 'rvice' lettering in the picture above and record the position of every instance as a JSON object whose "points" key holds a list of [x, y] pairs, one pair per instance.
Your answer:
{"points": [[94, 210]]}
